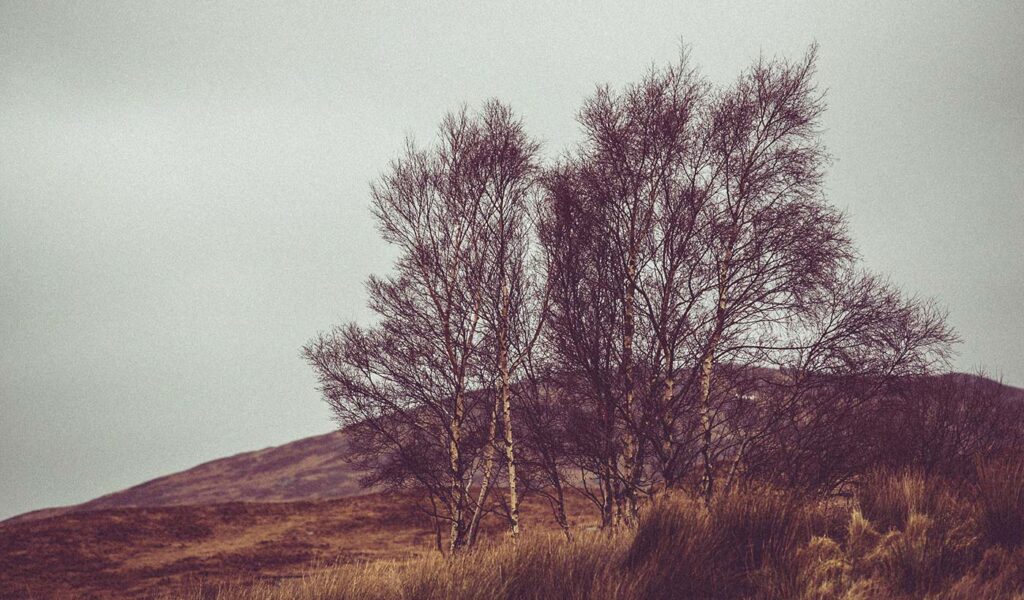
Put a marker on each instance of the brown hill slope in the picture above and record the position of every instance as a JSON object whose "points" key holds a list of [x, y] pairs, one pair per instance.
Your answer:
{"points": [[311, 468], [150, 552]]}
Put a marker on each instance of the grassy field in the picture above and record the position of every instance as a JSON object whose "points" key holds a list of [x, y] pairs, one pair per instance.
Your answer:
{"points": [[901, 537]]}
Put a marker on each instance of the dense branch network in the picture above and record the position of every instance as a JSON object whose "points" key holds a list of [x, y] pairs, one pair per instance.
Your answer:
{"points": [[672, 304]]}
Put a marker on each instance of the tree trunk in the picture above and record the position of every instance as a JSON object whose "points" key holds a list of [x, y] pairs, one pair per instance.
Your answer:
{"points": [[667, 442], [707, 484], [437, 524], [455, 465], [485, 485], [734, 468], [506, 403], [629, 470], [560, 516], [608, 493]]}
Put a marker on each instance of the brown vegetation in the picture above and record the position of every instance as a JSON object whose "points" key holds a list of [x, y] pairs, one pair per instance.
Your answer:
{"points": [[143, 552], [904, 536]]}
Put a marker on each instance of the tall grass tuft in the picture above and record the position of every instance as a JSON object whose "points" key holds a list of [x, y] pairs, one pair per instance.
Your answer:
{"points": [[673, 551], [1001, 498], [928, 532], [744, 545]]}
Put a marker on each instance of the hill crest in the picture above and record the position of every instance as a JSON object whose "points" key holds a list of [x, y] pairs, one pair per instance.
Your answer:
{"points": [[311, 468]]}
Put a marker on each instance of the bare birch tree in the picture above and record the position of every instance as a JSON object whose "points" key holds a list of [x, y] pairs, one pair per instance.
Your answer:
{"points": [[412, 378], [831, 372], [625, 180], [774, 238], [512, 308]]}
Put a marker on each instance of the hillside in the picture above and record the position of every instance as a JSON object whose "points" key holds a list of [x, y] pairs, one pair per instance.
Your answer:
{"points": [[131, 550], [142, 552], [271, 514], [311, 468]]}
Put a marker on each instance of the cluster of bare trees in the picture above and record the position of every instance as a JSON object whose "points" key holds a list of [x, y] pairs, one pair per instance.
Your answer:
{"points": [[672, 304]]}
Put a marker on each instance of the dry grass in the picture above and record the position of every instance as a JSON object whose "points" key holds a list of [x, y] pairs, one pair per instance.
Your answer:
{"points": [[545, 567], [904, 537], [1001, 499]]}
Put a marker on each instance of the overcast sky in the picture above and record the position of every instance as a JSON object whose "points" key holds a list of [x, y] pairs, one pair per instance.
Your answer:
{"points": [[184, 188]]}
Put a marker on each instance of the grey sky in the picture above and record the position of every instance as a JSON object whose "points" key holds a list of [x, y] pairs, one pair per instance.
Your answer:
{"points": [[183, 188]]}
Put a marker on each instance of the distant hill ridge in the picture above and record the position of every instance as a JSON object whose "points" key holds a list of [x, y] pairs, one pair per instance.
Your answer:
{"points": [[311, 468]]}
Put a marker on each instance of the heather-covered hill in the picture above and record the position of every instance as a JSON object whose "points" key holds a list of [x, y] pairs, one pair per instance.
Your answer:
{"points": [[136, 552], [311, 468]]}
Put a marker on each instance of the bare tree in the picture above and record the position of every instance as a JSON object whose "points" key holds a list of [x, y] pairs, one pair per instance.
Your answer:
{"points": [[583, 325], [410, 379], [622, 183], [810, 420], [941, 425], [774, 238], [512, 307]]}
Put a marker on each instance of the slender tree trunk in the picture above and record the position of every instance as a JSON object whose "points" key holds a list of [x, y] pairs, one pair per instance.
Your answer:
{"points": [[485, 485], [707, 486], [457, 490], [608, 492], [619, 504], [734, 468], [506, 403], [609, 457], [560, 516], [707, 482], [630, 451], [667, 441], [437, 525]]}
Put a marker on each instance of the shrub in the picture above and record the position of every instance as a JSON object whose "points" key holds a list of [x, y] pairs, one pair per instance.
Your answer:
{"points": [[887, 500], [744, 545], [915, 559], [757, 533], [825, 573]]}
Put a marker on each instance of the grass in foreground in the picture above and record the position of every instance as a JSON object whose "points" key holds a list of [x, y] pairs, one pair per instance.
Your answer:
{"points": [[902, 537]]}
